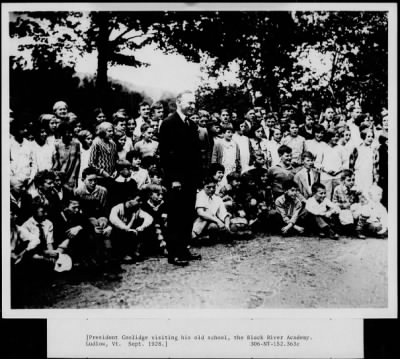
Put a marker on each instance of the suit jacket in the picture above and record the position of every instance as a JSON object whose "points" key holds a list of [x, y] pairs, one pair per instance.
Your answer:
{"points": [[180, 153], [301, 179]]}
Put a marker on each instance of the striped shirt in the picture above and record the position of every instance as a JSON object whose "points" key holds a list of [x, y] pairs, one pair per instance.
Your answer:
{"points": [[103, 155]]}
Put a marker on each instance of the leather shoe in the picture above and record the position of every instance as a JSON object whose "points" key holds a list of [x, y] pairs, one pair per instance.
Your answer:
{"points": [[192, 257], [178, 261]]}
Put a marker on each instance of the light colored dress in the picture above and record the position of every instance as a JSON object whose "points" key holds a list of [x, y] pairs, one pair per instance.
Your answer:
{"points": [[364, 167]]}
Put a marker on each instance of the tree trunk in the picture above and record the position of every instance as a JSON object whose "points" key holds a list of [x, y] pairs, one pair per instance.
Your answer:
{"points": [[102, 59]]}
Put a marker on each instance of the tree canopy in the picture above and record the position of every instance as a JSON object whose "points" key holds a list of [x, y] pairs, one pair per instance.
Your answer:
{"points": [[271, 48]]}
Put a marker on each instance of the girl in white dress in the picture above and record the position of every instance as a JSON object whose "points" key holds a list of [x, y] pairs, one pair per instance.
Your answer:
{"points": [[364, 162]]}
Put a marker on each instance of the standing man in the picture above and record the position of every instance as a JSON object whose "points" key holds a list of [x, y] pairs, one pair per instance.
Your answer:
{"points": [[180, 158]]}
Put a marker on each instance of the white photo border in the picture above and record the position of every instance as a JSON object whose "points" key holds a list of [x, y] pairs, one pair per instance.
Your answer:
{"points": [[389, 312]]}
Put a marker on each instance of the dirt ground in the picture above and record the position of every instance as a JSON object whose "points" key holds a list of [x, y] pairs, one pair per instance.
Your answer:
{"points": [[264, 272]]}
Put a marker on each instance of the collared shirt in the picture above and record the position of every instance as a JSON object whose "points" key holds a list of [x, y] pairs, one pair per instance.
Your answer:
{"points": [[288, 208], [31, 226], [21, 234], [320, 209], [343, 196], [214, 205]]}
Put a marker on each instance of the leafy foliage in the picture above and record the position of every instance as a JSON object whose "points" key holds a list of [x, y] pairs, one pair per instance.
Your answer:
{"points": [[272, 49]]}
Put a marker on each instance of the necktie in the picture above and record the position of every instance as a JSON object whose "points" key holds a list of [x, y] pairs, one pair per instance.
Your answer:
{"points": [[42, 236], [309, 177]]}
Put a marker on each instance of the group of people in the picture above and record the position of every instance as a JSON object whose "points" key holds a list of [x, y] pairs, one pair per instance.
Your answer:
{"points": [[119, 189]]}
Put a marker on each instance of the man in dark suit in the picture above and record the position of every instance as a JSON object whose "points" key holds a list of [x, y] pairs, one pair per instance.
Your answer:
{"points": [[180, 158]]}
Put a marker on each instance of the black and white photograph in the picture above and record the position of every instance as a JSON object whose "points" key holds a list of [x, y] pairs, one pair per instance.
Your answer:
{"points": [[187, 158]]}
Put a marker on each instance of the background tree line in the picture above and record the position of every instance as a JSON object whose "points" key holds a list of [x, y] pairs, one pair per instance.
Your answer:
{"points": [[270, 50]]}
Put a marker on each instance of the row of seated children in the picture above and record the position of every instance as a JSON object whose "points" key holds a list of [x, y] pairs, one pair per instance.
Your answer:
{"points": [[87, 223], [94, 225], [248, 202]]}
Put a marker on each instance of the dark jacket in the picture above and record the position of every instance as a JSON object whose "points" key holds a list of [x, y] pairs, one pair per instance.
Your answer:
{"points": [[180, 154]]}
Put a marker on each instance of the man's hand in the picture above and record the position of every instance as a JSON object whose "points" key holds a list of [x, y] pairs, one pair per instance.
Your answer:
{"points": [[72, 232], [176, 185], [107, 231]]}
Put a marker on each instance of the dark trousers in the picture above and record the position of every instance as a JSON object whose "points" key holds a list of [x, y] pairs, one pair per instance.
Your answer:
{"points": [[276, 223], [181, 214], [319, 224]]}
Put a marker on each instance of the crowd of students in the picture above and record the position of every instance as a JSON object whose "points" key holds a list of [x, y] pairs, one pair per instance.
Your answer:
{"points": [[96, 192]]}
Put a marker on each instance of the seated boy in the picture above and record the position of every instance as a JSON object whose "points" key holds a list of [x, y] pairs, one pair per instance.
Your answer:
{"points": [[289, 210], [307, 175], [322, 213], [234, 197], [212, 217], [93, 201], [78, 240], [123, 183], [21, 241], [155, 206], [40, 230], [130, 223], [371, 214], [346, 197], [281, 172], [377, 223]]}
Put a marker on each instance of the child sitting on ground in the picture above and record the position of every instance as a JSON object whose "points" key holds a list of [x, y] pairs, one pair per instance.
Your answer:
{"points": [[130, 223], [346, 197], [77, 239], [233, 195], [41, 229], [155, 206], [289, 209], [323, 214], [377, 223], [212, 220], [371, 214], [123, 183]]}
